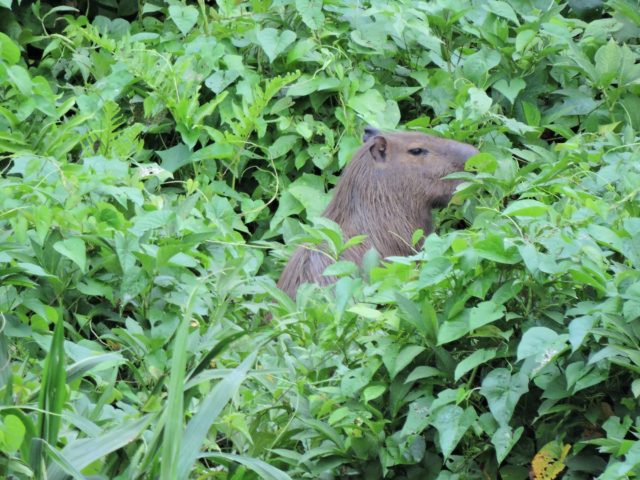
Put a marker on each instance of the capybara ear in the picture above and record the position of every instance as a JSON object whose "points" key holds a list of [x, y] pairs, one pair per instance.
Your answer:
{"points": [[369, 132], [379, 148]]}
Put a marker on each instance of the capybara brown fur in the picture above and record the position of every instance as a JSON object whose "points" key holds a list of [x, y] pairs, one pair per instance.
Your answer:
{"points": [[386, 192]]}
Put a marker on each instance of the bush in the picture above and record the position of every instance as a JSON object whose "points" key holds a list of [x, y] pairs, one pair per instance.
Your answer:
{"points": [[156, 154]]}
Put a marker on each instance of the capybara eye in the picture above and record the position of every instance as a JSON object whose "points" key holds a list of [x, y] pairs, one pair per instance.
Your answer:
{"points": [[418, 151]]}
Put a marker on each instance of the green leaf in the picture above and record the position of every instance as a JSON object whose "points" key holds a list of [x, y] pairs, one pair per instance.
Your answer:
{"points": [[526, 208], [469, 320], [309, 191], [261, 468], [484, 313], [53, 393], [75, 250], [21, 79], [502, 391], [283, 145], [208, 411], [422, 372], [274, 42], [482, 162], [184, 16], [172, 436], [511, 89], [375, 110], [373, 392], [478, 103], [13, 431], [151, 220], [217, 151], [472, 361], [502, 9], [82, 452], [579, 328], [221, 79], [435, 271], [412, 314], [396, 362], [310, 12], [635, 388], [9, 50], [540, 346], [608, 58], [503, 439], [452, 422], [175, 157], [95, 363], [365, 311], [534, 341], [35, 270], [453, 329], [341, 268]]}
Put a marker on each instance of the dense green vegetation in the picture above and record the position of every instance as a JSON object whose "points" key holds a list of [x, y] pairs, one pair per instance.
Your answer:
{"points": [[159, 161]]}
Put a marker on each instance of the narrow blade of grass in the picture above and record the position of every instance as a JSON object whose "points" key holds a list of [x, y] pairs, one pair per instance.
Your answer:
{"points": [[208, 412], [174, 413], [80, 453], [263, 469], [52, 395]]}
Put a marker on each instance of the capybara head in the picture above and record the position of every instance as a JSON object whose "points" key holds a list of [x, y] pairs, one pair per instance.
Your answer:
{"points": [[390, 186], [417, 160], [386, 193]]}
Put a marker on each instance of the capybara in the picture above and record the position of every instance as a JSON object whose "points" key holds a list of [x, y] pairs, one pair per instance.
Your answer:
{"points": [[386, 192]]}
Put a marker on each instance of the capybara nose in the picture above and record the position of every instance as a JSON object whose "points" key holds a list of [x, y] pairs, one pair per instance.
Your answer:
{"points": [[461, 152]]}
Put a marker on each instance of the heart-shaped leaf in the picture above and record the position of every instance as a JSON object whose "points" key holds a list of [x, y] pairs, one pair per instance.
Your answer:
{"points": [[184, 16], [274, 42], [511, 89]]}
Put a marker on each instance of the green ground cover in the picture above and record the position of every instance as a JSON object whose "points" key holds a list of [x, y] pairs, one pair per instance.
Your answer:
{"points": [[159, 161]]}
